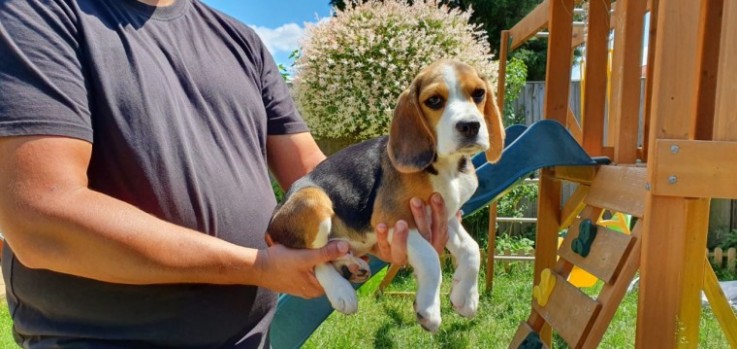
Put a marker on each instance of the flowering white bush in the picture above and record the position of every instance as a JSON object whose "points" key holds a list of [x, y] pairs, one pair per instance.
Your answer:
{"points": [[354, 66]]}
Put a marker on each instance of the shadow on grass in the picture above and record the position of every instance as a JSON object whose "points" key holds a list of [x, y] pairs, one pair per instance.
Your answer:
{"points": [[382, 336], [456, 335]]}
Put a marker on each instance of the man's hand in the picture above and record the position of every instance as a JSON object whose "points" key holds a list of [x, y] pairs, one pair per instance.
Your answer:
{"points": [[291, 271], [432, 224]]}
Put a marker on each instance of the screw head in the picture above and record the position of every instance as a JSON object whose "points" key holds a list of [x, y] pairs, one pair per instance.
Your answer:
{"points": [[647, 186], [672, 180], [674, 149]]}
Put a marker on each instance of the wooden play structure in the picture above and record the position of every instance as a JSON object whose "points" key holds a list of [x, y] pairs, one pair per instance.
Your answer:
{"points": [[686, 156]]}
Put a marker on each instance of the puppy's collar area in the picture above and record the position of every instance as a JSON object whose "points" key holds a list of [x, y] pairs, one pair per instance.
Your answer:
{"points": [[461, 165]]}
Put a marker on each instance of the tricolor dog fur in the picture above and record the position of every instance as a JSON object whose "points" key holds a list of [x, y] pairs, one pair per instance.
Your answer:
{"points": [[448, 114]]}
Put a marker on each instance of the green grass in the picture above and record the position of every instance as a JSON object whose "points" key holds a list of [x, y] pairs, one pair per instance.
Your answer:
{"points": [[6, 334], [388, 321]]}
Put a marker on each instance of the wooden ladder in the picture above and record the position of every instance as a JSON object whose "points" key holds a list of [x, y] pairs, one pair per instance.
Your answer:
{"points": [[611, 256]]}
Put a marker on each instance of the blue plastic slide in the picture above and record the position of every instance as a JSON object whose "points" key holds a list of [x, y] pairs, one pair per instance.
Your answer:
{"points": [[545, 143]]}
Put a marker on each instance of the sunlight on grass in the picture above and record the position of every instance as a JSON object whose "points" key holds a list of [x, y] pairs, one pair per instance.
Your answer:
{"points": [[388, 321]]}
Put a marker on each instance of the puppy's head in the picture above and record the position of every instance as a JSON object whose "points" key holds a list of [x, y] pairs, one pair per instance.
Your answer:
{"points": [[448, 109]]}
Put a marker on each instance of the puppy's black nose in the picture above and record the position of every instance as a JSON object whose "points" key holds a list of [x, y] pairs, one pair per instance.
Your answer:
{"points": [[468, 128]]}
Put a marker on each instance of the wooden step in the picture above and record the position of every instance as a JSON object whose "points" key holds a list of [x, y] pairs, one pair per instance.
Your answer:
{"points": [[608, 252], [569, 311]]}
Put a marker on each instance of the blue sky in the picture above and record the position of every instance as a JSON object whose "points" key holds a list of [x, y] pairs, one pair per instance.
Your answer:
{"points": [[279, 23]]}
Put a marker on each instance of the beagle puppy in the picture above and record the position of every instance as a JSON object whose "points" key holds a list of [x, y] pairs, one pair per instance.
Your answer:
{"points": [[448, 114]]}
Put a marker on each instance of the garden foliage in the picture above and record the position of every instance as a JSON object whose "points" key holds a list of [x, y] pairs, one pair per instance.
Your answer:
{"points": [[354, 66]]}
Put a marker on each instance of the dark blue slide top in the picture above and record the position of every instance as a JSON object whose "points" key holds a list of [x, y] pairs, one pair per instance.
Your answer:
{"points": [[545, 143]]}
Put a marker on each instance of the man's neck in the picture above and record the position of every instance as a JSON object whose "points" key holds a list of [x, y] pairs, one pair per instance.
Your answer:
{"points": [[160, 3]]}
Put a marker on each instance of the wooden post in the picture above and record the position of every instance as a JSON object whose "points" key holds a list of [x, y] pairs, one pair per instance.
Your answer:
{"points": [[711, 27], [671, 282], [557, 84], [725, 119], [500, 95], [653, 37], [491, 248], [558, 70], [624, 103], [597, 47], [501, 87]]}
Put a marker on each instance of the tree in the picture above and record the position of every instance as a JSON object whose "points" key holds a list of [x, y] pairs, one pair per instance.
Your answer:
{"points": [[494, 16]]}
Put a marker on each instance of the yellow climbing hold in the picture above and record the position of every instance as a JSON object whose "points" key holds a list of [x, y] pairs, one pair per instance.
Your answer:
{"points": [[542, 291]]}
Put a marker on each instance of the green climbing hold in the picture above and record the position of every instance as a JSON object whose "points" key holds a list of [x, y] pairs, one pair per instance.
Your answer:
{"points": [[586, 235]]}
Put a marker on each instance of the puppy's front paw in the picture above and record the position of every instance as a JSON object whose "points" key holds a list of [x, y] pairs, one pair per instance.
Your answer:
{"points": [[353, 269], [343, 298], [428, 316], [464, 297]]}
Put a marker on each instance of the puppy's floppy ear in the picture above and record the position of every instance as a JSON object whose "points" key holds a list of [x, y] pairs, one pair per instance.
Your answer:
{"points": [[411, 143], [493, 119]]}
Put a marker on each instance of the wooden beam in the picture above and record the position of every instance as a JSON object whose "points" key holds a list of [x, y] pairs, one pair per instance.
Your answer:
{"points": [[576, 174], [653, 37], [719, 305], [573, 126], [670, 285], [530, 25], [573, 206], [708, 63], [548, 224], [390, 274], [558, 70], [725, 123], [611, 295], [501, 84], [698, 169], [578, 37], [597, 46], [491, 248], [624, 101]]}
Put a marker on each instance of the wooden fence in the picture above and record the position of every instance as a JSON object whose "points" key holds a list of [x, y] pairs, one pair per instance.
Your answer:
{"points": [[717, 257]]}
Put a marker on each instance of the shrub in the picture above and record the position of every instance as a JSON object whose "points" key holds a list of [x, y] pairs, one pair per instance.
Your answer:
{"points": [[354, 65], [516, 80]]}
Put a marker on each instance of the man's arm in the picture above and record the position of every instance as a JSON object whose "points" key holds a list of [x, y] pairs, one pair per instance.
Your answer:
{"points": [[291, 156], [52, 220]]}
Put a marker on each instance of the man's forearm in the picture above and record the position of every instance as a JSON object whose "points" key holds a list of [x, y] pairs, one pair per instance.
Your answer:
{"points": [[93, 235]]}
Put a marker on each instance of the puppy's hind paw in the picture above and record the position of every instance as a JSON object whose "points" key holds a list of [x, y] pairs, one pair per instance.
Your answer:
{"points": [[429, 318], [465, 301]]}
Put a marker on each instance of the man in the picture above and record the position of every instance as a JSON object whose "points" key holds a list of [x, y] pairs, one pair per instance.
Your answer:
{"points": [[136, 139]]}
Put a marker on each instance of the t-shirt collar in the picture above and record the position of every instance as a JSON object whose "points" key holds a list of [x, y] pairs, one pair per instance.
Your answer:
{"points": [[160, 12]]}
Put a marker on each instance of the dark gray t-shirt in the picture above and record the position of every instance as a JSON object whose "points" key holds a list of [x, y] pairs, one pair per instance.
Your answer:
{"points": [[178, 102]]}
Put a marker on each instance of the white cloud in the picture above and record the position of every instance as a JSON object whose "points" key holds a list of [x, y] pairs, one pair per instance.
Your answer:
{"points": [[285, 38]]}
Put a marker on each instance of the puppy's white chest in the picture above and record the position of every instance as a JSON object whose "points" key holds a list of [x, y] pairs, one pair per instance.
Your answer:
{"points": [[455, 186]]}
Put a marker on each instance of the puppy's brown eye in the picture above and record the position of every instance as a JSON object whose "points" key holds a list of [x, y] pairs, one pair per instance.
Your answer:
{"points": [[478, 95], [434, 102]]}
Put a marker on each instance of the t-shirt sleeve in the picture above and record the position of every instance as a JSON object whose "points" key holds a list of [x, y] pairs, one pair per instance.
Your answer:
{"points": [[283, 117], [42, 85]]}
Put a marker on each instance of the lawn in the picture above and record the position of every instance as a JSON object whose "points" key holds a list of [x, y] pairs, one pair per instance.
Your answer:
{"points": [[6, 335], [388, 321]]}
